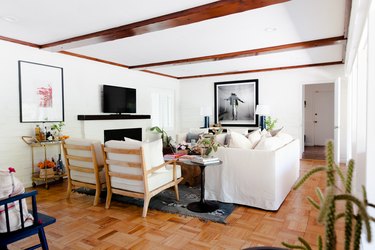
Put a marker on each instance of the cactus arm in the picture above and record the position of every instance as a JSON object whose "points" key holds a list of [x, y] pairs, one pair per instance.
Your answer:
{"points": [[307, 175], [361, 210], [305, 243], [357, 232], [348, 206], [319, 193], [320, 243], [314, 203], [293, 246]]}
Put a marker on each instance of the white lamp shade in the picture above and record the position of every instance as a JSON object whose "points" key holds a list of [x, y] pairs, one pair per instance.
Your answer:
{"points": [[262, 110], [206, 111]]}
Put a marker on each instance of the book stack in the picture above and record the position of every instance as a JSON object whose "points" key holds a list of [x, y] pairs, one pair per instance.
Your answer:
{"points": [[205, 160], [169, 157]]}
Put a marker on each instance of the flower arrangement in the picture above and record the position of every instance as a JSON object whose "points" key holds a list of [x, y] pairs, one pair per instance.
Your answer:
{"points": [[46, 164]]}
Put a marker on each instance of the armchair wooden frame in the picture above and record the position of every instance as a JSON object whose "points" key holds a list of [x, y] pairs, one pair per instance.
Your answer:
{"points": [[147, 194], [72, 184]]}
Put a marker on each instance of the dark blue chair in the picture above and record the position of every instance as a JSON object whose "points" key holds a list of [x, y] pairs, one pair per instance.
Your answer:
{"points": [[40, 221]]}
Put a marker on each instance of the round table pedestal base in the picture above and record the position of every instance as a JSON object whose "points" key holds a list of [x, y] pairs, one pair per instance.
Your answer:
{"points": [[200, 207]]}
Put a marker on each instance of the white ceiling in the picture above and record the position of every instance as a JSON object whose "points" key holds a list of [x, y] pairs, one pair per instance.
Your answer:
{"points": [[42, 21]]}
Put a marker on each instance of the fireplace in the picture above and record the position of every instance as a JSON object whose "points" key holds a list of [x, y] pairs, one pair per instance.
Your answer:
{"points": [[119, 134]]}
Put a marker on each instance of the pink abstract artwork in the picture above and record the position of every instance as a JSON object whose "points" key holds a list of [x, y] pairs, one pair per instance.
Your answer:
{"points": [[45, 96]]}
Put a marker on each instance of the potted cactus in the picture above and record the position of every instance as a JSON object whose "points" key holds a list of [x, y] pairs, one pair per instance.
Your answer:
{"points": [[355, 212]]}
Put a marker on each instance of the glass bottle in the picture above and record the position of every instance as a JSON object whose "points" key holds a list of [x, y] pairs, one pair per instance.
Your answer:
{"points": [[37, 132], [60, 166]]}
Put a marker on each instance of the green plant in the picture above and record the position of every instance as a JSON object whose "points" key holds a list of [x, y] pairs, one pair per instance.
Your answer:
{"points": [[328, 212], [58, 126], [164, 136], [270, 123], [208, 142]]}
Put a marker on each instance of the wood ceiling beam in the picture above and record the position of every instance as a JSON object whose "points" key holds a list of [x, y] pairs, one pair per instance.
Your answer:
{"points": [[8, 39], [189, 16], [247, 53], [262, 70]]}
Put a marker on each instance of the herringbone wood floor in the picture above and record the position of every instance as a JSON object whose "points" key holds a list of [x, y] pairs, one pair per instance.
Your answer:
{"points": [[82, 226]]}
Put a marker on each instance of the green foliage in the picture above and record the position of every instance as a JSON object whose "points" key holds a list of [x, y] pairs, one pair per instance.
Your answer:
{"points": [[208, 143], [163, 134], [58, 126], [270, 123], [328, 213]]}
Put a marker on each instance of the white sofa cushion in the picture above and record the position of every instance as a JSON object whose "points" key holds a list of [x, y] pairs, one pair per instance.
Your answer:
{"points": [[238, 140], [275, 142]]}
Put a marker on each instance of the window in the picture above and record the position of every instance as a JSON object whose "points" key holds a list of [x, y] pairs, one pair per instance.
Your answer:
{"points": [[162, 112]]}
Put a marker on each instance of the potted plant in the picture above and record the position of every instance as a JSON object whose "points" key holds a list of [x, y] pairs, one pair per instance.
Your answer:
{"points": [[354, 214], [167, 148], [208, 144]]}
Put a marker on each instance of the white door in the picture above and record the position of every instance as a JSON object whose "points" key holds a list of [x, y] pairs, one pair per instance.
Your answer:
{"points": [[323, 117]]}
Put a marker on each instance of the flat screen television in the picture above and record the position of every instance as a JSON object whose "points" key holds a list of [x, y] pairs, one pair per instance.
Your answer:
{"points": [[119, 100]]}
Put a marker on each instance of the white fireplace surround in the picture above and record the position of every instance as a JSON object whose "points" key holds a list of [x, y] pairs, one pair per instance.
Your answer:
{"points": [[94, 129]]}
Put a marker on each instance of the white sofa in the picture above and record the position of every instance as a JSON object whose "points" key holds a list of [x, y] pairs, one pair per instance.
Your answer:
{"points": [[252, 177]]}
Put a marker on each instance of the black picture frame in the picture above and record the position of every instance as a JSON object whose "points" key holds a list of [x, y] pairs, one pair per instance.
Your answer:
{"points": [[235, 103], [41, 92]]}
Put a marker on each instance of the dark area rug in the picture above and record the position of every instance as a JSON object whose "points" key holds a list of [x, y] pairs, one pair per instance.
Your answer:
{"points": [[165, 201]]}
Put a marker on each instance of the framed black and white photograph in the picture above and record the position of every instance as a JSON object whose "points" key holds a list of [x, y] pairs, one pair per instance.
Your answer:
{"points": [[235, 103], [41, 89]]}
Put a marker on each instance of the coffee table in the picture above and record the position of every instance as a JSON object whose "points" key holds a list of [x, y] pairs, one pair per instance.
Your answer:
{"points": [[203, 206]]}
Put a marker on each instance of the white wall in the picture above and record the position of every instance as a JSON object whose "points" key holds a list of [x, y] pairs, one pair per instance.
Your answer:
{"points": [[361, 96], [82, 80], [281, 90]]}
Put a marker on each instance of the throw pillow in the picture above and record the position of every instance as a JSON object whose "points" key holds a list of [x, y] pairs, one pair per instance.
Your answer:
{"points": [[238, 140], [220, 138], [275, 131], [192, 136], [254, 137]]}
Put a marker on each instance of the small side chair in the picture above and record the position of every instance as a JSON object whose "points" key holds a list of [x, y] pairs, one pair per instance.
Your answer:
{"points": [[37, 227]]}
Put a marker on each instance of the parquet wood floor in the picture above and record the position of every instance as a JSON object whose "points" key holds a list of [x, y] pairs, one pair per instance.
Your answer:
{"points": [[82, 226]]}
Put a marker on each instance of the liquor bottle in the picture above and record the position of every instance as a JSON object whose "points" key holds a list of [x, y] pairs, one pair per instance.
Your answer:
{"points": [[37, 133], [60, 166]]}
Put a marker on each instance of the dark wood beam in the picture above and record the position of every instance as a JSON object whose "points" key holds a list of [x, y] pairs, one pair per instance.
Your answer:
{"points": [[262, 70], [189, 16], [247, 53], [159, 74], [93, 59], [8, 39]]}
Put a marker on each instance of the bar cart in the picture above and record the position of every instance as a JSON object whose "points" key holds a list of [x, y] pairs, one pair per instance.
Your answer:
{"points": [[36, 176]]}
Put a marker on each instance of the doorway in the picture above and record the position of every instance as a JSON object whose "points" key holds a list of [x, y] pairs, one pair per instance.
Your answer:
{"points": [[319, 118]]}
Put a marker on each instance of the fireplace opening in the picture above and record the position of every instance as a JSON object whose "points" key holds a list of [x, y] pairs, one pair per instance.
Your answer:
{"points": [[119, 134]]}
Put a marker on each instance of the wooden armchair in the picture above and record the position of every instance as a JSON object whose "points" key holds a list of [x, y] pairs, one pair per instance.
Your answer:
{"points": [[84, 164], [37, 227], [138, 170]]}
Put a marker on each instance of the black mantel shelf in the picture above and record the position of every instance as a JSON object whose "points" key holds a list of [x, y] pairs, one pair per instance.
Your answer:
{"points": [[111, 117]]}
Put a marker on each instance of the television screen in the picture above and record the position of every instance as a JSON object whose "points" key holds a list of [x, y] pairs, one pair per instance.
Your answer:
{"points": [[119, 99]]}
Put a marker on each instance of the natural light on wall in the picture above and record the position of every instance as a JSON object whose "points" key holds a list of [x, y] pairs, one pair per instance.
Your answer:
{"points": [[162, 114]]}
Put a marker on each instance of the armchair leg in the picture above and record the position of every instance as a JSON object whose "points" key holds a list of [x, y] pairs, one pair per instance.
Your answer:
{"points": [[109, 197], [69, 189], [145, 205], [42, 238], [97, 195], [177, 193]]}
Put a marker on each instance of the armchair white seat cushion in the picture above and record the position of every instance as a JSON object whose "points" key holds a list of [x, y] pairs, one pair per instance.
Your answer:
{"points": [[85, 164], [137, 169]]}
